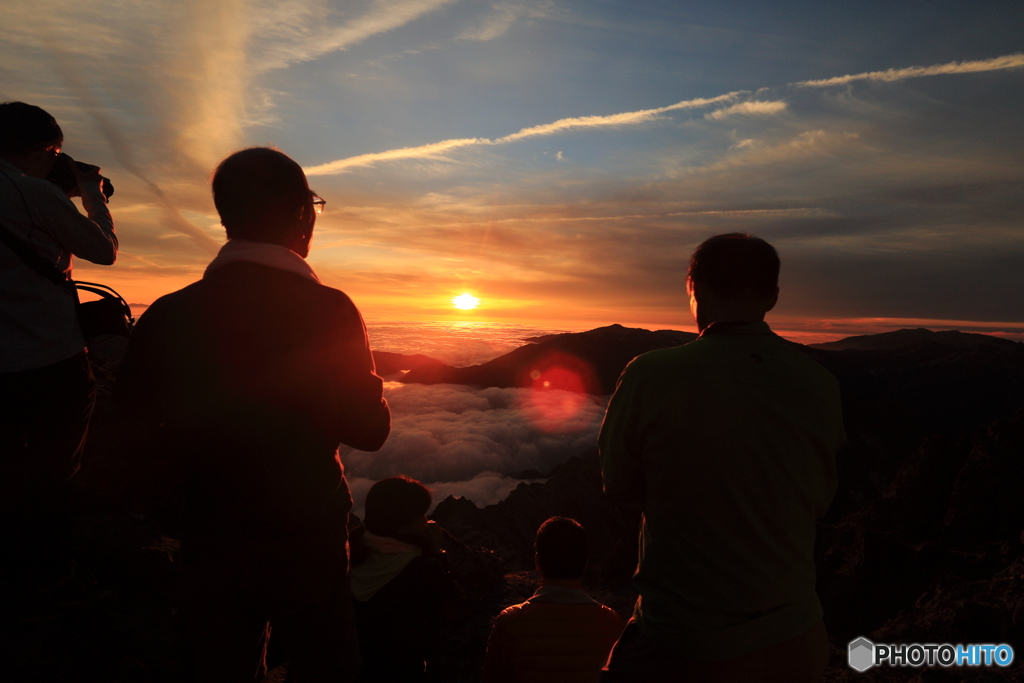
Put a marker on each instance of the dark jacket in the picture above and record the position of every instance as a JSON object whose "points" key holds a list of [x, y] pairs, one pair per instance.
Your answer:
{"points": [[399, 626], [252, 377]]}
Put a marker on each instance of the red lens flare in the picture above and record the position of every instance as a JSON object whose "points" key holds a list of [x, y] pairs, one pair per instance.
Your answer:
{"points": [[559, 386]]}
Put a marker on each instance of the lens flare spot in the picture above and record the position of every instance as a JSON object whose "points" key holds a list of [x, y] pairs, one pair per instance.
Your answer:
{"points": [[465, 302], [559, 385]]}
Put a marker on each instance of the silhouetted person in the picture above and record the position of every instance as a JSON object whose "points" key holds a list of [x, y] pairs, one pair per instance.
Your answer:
{"points": [[47, 390], [252, 377], [399, 583], [559, 635], [728, 445]]}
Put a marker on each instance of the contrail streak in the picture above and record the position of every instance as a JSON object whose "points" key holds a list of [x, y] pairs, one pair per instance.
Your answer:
{"points": [[437, 149]]}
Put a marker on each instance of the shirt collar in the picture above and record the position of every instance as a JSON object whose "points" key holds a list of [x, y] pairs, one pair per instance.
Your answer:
{"points": [[272, 255], [565, 594], [736, 327]]}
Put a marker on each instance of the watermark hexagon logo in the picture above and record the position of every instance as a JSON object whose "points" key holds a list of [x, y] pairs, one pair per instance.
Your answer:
{"points": [[861, 654]]}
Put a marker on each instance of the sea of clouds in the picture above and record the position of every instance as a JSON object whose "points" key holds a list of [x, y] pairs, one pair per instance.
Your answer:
{"points": [[459, 344], [470, 442]]}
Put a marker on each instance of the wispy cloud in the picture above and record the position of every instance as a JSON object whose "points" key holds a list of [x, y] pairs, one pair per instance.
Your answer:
{"points": [[996, 64], [306, 40], [495, 25], [66, 67], [628, 118], [432, 151], [755, 213], [213, 68], [501, 20], [436, 149], [755, 108]]}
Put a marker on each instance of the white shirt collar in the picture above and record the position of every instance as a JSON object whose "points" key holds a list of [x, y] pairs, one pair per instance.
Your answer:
{"points": [[272, 255], [561, 594]]}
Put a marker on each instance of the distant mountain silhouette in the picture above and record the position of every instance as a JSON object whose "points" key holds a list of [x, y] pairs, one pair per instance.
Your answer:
{"points": [[595, 358], [389, 363], [969, 365], [901, 339], [929, 388]]}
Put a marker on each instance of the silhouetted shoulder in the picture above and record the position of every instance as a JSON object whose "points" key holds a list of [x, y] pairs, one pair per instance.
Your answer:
{"points": [[510, 612], [339, 300], [675, 356]]}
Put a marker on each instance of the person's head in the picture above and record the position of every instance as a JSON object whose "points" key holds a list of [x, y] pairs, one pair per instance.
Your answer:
{"points": [[396, 505], [29, 138], [262, 195], [562, 548], [732, 277]]}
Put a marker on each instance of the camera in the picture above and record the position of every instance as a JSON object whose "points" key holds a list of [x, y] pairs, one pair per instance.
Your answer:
{"points": [[62, 177]]}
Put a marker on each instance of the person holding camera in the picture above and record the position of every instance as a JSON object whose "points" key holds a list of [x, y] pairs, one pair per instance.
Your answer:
{"points": [[47, 389]]}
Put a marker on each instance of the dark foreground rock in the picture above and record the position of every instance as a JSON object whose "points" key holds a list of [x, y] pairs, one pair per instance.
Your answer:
{"points": [[938, 558], [572, 490]]}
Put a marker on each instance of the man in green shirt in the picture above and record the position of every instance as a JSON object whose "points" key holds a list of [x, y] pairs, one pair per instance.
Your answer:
{"points": [[728, 446]]}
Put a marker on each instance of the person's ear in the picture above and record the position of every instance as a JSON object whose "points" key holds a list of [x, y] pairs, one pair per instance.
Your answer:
{"points": [[302, 232]]}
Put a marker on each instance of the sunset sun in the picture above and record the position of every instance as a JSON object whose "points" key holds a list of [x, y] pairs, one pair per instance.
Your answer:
{"points": [[465, 302]]}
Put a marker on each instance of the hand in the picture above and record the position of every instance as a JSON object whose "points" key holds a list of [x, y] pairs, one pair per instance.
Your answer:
{"points": [[434, 534], [92, 175]]}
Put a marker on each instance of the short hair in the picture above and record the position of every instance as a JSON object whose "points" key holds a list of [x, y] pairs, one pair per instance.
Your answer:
{"points": [[562, 548], [24, 127], [394, 502], [735, 263], [259, 193]]}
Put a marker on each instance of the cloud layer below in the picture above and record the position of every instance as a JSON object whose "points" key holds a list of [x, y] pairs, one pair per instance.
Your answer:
{"points": [[473, 442]]}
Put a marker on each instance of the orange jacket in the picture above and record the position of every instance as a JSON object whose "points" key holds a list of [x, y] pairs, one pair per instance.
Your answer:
{"points": [[540, 640]]}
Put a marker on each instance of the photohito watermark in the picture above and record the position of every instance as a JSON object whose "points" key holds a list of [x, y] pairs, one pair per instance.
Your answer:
{"points": [[863, 654]]}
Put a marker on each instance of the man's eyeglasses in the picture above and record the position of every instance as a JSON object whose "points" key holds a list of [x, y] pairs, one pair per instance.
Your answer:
{"points": [[319, 204]]}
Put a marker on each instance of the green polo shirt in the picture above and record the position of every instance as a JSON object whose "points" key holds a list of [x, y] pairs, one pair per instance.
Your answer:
{"points": [[728, 443]]}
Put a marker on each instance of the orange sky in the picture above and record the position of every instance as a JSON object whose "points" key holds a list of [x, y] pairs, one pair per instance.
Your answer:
{"points": [[561, 161]]}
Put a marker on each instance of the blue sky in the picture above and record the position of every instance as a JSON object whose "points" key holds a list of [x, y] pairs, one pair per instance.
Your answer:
{"points": [[560, 160]]}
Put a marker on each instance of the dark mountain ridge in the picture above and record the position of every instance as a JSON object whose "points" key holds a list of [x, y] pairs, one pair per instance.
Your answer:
{"points": [[596, 356], [901, 339]]}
